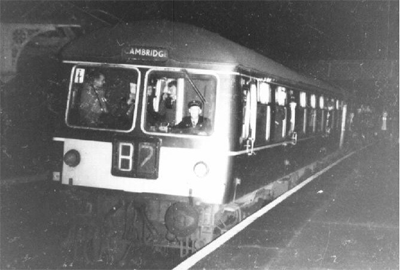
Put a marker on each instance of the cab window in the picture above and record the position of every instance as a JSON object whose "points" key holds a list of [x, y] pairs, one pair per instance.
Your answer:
{"points": [[102, 98], [179, 102]]}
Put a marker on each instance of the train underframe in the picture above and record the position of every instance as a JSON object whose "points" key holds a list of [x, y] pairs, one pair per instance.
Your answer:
{"points": [[108, 225]]}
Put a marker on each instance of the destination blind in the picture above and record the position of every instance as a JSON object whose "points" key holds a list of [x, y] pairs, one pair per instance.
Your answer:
{"points": [[144, 53]]}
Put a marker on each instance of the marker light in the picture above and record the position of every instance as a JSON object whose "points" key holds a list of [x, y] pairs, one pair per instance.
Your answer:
{"points": [[200, 169], [72, 158]]}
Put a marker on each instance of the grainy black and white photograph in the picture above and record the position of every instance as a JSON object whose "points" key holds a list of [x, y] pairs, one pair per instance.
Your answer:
{"points": [[199, 134]]}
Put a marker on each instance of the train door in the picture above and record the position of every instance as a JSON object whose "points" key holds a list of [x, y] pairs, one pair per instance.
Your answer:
{"points": [[301, 114], [293, 96], [330, 115], [312, 115], [321, 115], [281, 113], [264, 112], [249, 123]]}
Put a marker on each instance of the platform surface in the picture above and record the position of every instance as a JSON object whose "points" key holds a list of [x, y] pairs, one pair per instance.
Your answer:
{"points": [[348, 218]]}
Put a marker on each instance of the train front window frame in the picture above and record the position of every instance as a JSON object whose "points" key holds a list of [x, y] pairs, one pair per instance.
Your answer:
{"points": [[103, 97], [168, 95]]}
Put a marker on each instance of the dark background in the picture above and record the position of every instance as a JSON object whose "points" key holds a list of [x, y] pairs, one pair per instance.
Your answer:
{"points": [[282, 30], [357, 38]]}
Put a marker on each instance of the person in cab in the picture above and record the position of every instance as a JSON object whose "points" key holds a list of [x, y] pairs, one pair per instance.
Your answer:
{"points": [[195, 123], [93, 100]]}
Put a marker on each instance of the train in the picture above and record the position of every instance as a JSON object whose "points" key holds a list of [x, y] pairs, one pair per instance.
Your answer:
{"points": [[135, 173]]}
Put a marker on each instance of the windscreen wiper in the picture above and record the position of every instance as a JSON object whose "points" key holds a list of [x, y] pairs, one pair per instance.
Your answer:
{"points": [[194, 86]]}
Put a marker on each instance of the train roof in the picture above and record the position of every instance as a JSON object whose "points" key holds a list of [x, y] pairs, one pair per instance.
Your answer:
{"points": [[185, 43]]}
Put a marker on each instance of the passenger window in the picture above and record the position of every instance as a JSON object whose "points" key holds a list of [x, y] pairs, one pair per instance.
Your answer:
{"points": [[312, 113], [264, 110], [246, 114], [339, 108], [292, 107], [330, 115], [303, 104], [301, 116], [321, 114], [280, 113], [249, 111]]}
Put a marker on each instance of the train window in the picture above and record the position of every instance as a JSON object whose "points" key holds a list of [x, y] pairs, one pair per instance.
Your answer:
{"points": [[301, 121], [292, 105], [102, 98], [303, 99], [264, 110], [280, 96], [339, 114], [264, 93], [246, 114], [179, 102], [321, 114], [321, 102], [312, 114], [249, 111], [280, 113], [313, 101], [330, 115], [253, 110]]}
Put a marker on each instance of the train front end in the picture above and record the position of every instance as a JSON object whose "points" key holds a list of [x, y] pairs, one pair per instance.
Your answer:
{"points": [[129, 149]]}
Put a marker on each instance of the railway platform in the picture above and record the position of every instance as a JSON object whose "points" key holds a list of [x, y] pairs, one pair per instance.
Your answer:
{"points": [[348, 218]]}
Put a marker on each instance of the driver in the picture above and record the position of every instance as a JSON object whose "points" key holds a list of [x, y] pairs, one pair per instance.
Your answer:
{"points": [[195, 121]]}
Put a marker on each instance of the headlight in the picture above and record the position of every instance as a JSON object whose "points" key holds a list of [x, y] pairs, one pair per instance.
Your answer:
{"points": [[200, 169], [72, 158]]}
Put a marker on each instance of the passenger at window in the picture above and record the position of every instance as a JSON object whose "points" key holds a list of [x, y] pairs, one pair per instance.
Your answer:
{"points": [[167, 107], [93, 101], [195, 123]]}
